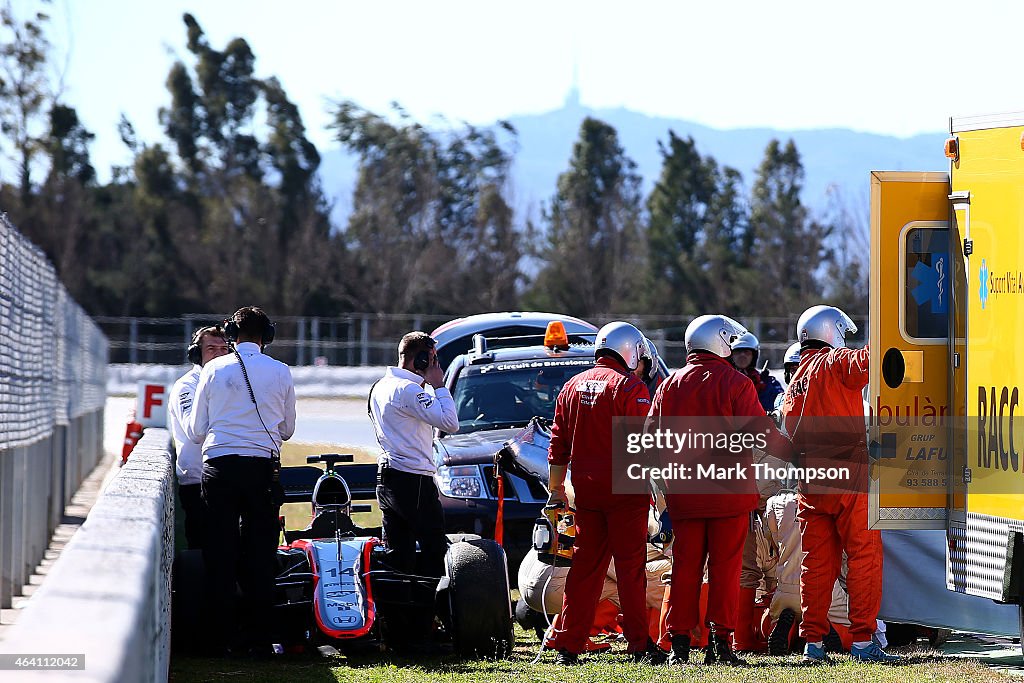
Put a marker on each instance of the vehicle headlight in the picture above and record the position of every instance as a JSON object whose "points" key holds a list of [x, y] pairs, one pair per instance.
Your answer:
{"points": [[460, 482]]}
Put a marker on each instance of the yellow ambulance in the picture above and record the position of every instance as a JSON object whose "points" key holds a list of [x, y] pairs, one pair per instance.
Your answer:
{"points": [[946, 326]]}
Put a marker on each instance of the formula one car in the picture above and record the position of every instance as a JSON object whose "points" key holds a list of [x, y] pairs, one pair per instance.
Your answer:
{"points": [[335, 584]]}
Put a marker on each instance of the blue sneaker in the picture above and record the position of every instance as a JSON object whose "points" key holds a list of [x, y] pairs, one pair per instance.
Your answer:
{"points": [[872, 653], [814, 655]]}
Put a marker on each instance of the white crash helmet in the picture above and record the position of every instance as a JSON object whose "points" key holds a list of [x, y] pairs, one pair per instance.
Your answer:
{"points": [[792, 354], [623, 341], [649, 352], [714, 334], [747, 340], [825, 324]]}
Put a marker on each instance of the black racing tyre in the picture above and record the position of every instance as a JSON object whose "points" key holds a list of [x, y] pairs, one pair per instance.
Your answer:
{"points": [[479, 599], [900, 635], [188, 583], [937, 637]]}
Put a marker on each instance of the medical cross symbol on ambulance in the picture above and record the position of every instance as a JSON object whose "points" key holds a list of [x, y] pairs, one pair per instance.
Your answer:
{"points": [[931, 286], [983, 292]]}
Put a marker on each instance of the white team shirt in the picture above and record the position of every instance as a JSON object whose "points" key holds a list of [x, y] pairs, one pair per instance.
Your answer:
{"points": [[223, 416], [404, 414], [189, 462]]}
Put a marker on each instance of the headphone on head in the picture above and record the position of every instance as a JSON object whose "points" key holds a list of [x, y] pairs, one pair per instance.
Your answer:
{"points": [[231, 331], [195, 350], [195, 347]]}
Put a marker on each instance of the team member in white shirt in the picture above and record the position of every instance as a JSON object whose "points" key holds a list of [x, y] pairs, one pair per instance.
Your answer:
{"points": [[404, 414], [207, 343], [244, 408]]}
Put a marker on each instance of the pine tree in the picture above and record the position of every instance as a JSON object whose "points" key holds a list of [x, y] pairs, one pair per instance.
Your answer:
{"points": [[431, 228], [726, 262], [391, 225], [25, 93], [696, 222], [245, 214], [788, 248], [846, 281], [593, 259], [61, 221]]}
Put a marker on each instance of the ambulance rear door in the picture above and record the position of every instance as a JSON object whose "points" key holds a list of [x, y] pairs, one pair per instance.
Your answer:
{"points": [[908, 391]]}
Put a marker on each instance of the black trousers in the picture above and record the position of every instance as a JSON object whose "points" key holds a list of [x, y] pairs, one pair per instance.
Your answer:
{"points": [[412, 513], [191, 497], [240, 547]]}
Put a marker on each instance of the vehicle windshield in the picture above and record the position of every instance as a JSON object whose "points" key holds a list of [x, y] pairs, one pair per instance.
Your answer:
{"points": [[508, 394]]}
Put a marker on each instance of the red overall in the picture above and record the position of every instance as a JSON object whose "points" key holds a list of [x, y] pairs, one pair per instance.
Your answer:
{"points": [[824, 411], [607, 525], [712, 527]]}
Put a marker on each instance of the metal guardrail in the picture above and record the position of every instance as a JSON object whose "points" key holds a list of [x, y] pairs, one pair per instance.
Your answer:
{"points": [[371, 339], [358, 339]]}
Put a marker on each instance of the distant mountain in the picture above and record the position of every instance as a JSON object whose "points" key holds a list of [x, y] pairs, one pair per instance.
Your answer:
{"points": [[837, 158]]}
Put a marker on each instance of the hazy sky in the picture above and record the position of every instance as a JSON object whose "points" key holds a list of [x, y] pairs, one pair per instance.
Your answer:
{"points": [[896, 67]]}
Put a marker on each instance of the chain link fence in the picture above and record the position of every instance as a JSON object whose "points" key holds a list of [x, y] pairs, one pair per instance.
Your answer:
{"points": [[53, 362], [371, 339], [358, 339]]}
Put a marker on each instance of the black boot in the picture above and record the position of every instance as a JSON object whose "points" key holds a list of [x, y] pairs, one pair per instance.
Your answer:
{"points": [[566, 658], [652, 654], [722, 643], [680, 650], [778, 641], [710, 653], [833, 643]]}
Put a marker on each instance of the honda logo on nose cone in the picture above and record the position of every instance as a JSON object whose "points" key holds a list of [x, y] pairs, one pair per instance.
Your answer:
{"points": [[345, 620]]}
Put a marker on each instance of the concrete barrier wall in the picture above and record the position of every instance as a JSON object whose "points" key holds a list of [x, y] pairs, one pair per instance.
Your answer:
{"points": [[36, 482], [108, 596], [310, 381]]}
